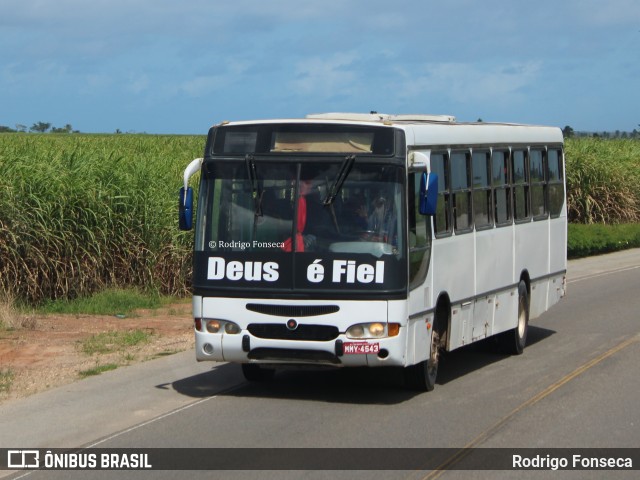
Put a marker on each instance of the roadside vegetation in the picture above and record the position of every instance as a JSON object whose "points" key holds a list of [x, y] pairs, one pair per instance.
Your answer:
{"points": [[81, 214], [603, 180], [111, 301], [114, 341], [117, 348], [586, 240], [97, 370], [6, 379], [603, 195], [12, 318]]}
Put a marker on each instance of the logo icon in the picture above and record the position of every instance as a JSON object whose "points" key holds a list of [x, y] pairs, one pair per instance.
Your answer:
{"points": [[23, 459], [292, 324]]}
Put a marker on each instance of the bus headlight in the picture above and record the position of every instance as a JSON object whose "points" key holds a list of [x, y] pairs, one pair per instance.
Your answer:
{"points": [[220, 326], [373, 330]]}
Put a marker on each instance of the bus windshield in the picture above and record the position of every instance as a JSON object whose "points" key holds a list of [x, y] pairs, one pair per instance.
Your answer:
{"points": [[251, 211]]}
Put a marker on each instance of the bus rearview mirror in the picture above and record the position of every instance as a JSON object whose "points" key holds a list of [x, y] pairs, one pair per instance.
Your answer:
{"points": [[185, 209], [428, 193]]}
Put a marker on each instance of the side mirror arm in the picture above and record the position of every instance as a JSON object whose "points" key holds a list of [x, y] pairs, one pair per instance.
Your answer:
{"points": [[185, 205]]}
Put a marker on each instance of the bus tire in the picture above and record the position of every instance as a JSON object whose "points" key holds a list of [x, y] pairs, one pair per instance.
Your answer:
{"points": [[256, 373], [422, 376], [514, 341]]}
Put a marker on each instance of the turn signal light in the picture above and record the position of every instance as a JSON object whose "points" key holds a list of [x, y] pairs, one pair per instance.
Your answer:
{"points": [[213, 326], [393, 329]]}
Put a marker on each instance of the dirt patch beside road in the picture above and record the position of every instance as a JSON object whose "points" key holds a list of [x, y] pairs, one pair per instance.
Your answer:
{"points": [[48, 350]]}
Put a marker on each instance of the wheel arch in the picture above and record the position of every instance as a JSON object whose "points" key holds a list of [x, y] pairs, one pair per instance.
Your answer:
{"points": [[442, 318]]}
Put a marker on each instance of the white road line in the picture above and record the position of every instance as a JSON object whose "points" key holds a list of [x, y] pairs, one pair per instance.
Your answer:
{"points": [[602, 274]]}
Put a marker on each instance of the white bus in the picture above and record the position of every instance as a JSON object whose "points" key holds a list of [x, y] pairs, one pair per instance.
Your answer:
{"points": [[349, 240]]}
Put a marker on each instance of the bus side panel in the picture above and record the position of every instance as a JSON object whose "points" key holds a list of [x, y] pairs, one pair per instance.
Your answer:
{"points": [[483, 308], [454, 273], [397, 312], [494, 261], [453, 265], [558, 245], [506, 311], [418, 349], [494, 271], [556, 290], [539, 297], [532, 254]]}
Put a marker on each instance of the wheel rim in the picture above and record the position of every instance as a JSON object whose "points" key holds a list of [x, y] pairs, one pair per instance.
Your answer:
{"points": [[432, 364], [522, 318]]}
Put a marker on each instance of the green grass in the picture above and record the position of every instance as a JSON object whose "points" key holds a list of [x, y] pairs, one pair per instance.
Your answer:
{"points": [[6, 379], [585, 240], [97, 370], [113, 301], [116, 341]]}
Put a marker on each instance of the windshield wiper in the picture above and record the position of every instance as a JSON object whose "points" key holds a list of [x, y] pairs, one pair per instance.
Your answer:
{"points": [[343, 173], [256, 194]]}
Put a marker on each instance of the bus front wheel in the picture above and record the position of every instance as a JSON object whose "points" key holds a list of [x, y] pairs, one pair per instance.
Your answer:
{"points": [[422, 376]]}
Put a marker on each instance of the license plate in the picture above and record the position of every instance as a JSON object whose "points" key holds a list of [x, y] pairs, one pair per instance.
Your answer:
{"points": [[359, 348]]}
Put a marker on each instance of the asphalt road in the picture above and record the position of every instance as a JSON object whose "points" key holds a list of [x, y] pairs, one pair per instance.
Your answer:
{"points": [[576, 386]]}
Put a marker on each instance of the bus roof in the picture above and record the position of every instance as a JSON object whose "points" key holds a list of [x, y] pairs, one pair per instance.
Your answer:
{"points": [[434, 130]]}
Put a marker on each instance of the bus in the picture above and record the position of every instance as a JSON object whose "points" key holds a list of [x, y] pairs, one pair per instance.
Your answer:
{"points": [[352, 240]]}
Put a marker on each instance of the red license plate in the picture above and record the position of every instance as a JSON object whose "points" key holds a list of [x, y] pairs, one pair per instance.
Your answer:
{"points": [[360, 348]]}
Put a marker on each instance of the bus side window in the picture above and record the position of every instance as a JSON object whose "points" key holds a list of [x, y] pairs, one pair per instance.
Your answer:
{"points": [[442, 218], [501, 187], [520, 180], [556, 184], [461, 191], [482, 203], [538, 184], [419, 234]]}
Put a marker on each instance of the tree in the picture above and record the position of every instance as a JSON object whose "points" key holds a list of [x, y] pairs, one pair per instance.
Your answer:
{"points": [[568, 132], [21, 128], [40, 127], [66, 129], [5, 129]]}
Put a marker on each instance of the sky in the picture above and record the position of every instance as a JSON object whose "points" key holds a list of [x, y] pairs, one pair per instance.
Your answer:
{"points": [[167, 66]]}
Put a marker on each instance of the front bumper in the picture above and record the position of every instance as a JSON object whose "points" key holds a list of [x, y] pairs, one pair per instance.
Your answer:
{"points": [[247, 348]]}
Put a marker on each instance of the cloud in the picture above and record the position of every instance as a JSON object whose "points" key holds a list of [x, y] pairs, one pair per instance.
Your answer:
{"points": [[470, 83], [138, 84], [228, 72], [615, 13], [325, 77], [202, 85]]}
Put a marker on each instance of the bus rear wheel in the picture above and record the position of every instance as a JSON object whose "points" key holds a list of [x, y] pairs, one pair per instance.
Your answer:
{"points": [[514, 341], [422, 376]]}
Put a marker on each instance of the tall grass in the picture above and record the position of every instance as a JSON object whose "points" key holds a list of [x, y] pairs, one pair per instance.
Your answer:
{"points": [[79, 213], [603, 180]]}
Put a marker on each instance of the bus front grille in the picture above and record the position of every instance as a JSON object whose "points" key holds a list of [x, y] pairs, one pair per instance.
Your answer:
{"points": [[277, 331], [292, 310], [293, 355]]}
